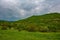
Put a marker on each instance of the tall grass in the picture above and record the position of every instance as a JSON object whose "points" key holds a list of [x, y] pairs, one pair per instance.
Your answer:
{"points": [[24, 35]]}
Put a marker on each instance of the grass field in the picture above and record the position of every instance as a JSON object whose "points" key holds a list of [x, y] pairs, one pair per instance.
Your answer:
{"points": [[24, 35]]}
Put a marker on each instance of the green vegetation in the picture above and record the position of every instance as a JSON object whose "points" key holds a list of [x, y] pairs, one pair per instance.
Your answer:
{"points": [[41, 23], [37, 27], [24, 35]]}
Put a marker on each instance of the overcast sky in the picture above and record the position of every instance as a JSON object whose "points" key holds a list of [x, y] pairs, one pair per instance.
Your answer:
{"points": [[18, 9]]}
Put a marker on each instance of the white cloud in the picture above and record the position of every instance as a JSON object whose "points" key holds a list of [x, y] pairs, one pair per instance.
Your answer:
{"points": [[22, 12], [9, 3], [37, 2], [55, 9]]}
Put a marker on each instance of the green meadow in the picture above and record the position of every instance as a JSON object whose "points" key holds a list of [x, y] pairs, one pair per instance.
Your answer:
{"points": [[24, 35]]}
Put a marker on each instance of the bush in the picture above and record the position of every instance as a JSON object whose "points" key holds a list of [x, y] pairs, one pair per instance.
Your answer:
{"points": [[4, 28]]}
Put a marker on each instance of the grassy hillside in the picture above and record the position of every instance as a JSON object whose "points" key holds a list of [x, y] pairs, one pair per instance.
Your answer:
{"points": [[42, 23], [47, 22]]}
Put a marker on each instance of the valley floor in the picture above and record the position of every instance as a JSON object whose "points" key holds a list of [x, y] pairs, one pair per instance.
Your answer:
{"points": [[24, 35]]}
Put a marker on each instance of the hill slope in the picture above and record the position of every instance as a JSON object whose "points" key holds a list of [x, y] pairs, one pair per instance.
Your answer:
{"points": [[47, 22], [43, 23]]}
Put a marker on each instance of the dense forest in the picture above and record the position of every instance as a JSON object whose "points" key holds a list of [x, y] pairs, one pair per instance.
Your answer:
{"points": [[41, 23]]}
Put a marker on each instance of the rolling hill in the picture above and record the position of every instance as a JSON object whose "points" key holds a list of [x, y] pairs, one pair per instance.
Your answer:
{"points": [[42, 23]]}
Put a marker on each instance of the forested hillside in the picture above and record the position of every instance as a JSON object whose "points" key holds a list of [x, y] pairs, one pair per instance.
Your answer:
{"points": [[42, 23]]}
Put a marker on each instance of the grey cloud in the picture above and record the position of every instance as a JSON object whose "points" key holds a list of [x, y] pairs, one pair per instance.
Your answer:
{"points": [[18, 9]]}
